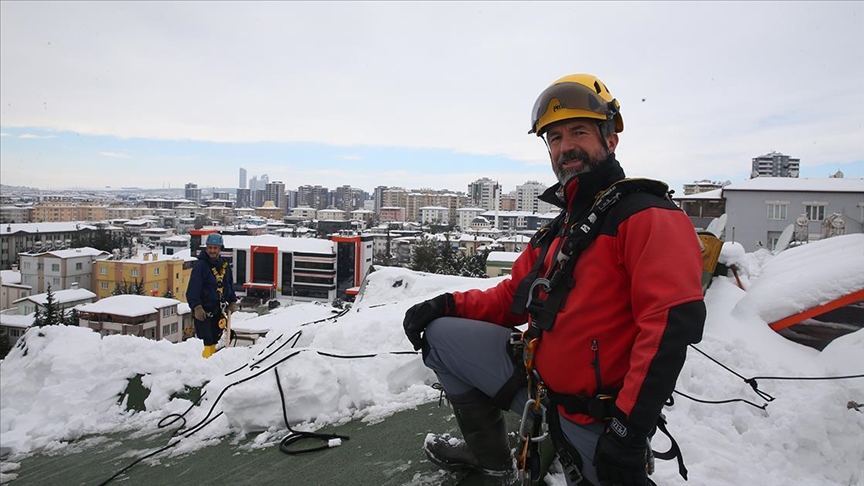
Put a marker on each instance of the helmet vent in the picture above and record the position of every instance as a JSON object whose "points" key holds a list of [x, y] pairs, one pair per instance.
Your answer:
{"points": [[597, 87]]}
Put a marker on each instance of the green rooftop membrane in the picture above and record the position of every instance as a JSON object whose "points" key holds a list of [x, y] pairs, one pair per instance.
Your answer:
{"points": [[385, 453]]}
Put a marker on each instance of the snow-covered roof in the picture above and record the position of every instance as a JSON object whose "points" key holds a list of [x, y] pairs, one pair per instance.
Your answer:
{"points": [[16, 320], [60, 296], [63, 227], [77, 252], [826, 184], [712, 194], [311, 245], [503, 256], [129, 305], [10, 276]]}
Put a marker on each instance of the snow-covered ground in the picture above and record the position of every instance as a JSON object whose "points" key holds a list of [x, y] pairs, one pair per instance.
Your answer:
{"points": [[64, 382]]}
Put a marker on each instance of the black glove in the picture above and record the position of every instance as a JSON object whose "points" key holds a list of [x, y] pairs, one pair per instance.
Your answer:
{"points": [[420, 315], [622, 454]]}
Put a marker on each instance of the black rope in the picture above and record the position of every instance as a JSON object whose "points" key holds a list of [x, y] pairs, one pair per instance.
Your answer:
{"points": [[718, 402], [755, 385]]}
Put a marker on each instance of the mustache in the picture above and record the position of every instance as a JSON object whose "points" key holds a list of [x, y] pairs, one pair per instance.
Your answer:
{"points": [[573, 154]]}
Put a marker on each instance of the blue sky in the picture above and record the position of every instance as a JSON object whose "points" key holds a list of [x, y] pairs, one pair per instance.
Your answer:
{"points": [[416, 94]]}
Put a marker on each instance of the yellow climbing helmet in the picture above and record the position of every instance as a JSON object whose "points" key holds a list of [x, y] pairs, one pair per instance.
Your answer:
{"points": [[575, 96]]}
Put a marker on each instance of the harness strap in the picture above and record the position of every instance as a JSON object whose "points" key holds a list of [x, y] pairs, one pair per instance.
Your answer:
{"points": [[598, 407], [568, 456], [674, 451]]}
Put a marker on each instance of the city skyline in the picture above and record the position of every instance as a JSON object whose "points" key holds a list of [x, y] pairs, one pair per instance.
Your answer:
{"points": [[415, 94]]}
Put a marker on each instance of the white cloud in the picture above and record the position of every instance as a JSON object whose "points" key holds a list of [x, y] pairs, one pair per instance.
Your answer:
{"points": [[461, 77], [350, 157], [4, 134], [118, 155], [30, 136]]}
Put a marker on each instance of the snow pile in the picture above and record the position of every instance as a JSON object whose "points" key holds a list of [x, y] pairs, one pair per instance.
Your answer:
{"points": [[806, 276], [66, 382]]}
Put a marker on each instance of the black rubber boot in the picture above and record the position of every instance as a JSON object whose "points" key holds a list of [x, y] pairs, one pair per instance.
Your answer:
{"points": [[485, 448]]}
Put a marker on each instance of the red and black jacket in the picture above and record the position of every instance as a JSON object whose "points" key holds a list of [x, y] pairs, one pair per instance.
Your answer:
{"points": [[636, 304]]}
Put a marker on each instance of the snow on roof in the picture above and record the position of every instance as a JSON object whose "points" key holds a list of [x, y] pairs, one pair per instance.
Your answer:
{"points": [[61, 296], [10, 276], [515, 239], [712, 194], [311, 245], [63, 227], [16, 320], [129, 305], [827, 184], [77, 252], [806, 276], [503, 256]]}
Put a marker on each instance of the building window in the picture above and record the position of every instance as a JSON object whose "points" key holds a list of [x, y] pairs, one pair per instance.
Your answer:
{"points": [[174, 328], [103, 270], [79, 266], [103, 285], [134, 272], [156, 271], [166, 312], [166, 330], [155, 285], [26, 265], [56, 281], [815, 211], [777, 211], [39, 266], [55, 267]]}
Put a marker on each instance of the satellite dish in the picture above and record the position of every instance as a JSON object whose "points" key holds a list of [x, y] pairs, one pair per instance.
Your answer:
{"points": [[784, 240], [717, 226]]}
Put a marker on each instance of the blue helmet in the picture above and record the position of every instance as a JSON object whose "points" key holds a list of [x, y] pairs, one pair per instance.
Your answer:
{"points": [[214, 239]]}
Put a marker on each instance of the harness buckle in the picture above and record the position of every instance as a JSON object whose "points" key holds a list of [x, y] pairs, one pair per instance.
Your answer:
{"points": [[600, 406], [545, 283]]}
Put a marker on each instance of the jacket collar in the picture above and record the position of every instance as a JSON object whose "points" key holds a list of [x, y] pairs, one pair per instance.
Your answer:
{"points": [[579, 192]]}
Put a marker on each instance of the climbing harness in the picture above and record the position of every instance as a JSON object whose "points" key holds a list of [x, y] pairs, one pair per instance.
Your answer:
{"points": [[555, 285]]}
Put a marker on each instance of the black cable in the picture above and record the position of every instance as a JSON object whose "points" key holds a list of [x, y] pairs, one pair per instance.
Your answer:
{"points": [[295, 436]]}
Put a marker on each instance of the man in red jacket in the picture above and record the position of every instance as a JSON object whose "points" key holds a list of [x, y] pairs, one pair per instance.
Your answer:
{"points": [[610, 314]]}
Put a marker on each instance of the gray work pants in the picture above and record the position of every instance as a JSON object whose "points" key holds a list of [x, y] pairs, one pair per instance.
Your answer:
{"points": [[470, 356]]}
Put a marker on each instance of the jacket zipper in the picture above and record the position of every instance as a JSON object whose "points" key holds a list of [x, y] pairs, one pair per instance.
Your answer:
{"points": [[596, 363]]}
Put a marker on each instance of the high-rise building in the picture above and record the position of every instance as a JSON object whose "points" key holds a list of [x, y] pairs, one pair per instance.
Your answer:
{"points": [[253, 183], [775, 164], [192, 192], [482, 193], [243, 198], [242, 182], [275, 191], [315, 197], [526, 198]]}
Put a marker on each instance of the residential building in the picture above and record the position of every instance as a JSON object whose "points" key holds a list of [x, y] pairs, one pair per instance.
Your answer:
{"points": [[16, 214], [435, 215], [500, 263], [11, 288], [157, 273], [58, 212], [526, 198], [63, 300], [331, 214], [137, 315], [22, 237], [483, 193], [59, 269], [312, 196], [704, 185], [270, 211], [14, 326], [243, 198], [775, 164], [702, 207], [395, 197], [391, 214], [242, 182], [758, 210], [304, 213], [192, 192]]}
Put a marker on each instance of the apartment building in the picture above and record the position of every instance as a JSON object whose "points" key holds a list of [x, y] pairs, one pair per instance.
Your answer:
{"points": [[57, 212], [136, 315], [758, 210], [22, 237], [11, 288], [158, 273], [63, 300], [60, 269]]}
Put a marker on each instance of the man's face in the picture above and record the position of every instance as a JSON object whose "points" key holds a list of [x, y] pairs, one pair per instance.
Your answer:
{"points": [[213, 251], [576, 146]]}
